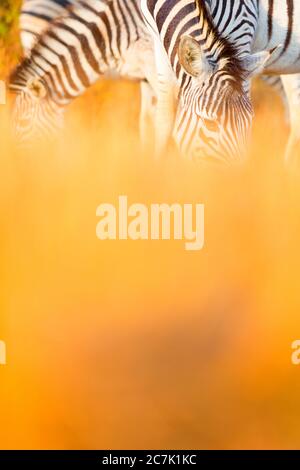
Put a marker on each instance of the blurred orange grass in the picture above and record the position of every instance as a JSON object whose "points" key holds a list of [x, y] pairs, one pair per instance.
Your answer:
{"points": [[124, 344]]}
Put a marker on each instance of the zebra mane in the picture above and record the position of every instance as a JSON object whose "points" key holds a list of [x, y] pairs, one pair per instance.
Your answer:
{"points": [[19, 76], [26, 68], [226, 51]]}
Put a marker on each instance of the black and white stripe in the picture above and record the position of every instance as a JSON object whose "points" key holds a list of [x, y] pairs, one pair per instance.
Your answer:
{"points": [[88, 40], [211, 50], [35, 17]]}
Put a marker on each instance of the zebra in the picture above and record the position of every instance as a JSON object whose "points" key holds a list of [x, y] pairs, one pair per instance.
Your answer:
{"points": [[287, 86], [34, 20], [36, 15], [70, 44], [210, 70]]}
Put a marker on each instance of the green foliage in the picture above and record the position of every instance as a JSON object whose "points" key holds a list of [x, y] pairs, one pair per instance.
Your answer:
{"points": [[9, 10]]}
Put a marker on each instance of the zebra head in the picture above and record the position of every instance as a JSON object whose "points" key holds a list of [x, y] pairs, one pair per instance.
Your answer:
{"points": [[215, 111], [35, 112]]}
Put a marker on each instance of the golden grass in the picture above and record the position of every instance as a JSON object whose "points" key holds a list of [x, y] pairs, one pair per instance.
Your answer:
{"points": [[141, 344]]}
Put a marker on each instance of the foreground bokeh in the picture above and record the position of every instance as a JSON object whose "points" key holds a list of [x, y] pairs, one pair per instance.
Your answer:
{"points": [[142, 344]]}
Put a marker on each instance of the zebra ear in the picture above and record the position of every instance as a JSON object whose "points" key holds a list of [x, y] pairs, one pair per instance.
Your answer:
{"points": [[254, 64], [192, 58], [36, 88]]}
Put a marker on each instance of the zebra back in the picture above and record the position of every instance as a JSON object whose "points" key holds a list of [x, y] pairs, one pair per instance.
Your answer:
{"points": [[35, 17]]}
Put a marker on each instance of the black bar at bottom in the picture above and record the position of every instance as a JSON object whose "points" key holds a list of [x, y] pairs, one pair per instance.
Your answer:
{"points": [[136, 459]]}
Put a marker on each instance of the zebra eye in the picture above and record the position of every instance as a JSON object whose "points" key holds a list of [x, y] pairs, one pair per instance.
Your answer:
{"points": [[211, 125], [23, 121]]}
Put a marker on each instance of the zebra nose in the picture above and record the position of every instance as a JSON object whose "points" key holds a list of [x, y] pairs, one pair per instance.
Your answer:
{"points": [[211, 125], [21, 122]]}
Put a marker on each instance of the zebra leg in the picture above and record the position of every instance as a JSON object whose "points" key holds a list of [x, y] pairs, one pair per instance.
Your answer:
{"points": [[276, 83], [291, 85], [164, 86], [166, 108], [147, 114]]}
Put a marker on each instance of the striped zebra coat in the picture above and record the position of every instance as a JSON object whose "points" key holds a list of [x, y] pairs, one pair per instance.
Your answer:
{"points": [[37, 14], [35, 17], [211, 65], [69, 45], [287, 86]]}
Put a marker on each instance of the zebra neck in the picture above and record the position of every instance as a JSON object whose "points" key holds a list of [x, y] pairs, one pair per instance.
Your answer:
{"points": [[237, 21], [279, 25], [89, 41]]}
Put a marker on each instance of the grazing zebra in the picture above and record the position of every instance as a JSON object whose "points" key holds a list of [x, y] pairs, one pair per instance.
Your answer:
{"points": [[35, 17], [89, 39], [288, 86], [210, 65]]}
